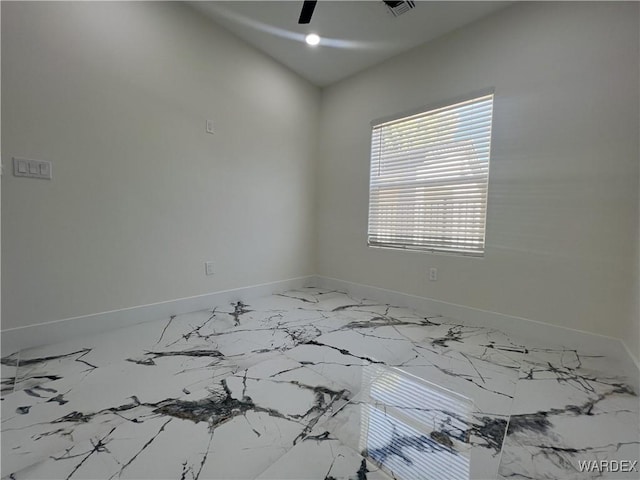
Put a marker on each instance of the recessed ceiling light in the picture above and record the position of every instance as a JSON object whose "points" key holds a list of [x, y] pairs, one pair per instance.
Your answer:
{"points": [[312, 39]]}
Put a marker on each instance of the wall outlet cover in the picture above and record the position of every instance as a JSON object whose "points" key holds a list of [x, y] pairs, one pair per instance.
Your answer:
{"points": [[433, 274]]}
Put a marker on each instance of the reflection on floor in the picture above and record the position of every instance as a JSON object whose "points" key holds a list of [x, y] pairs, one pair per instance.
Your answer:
{"points": [[314, 384]]}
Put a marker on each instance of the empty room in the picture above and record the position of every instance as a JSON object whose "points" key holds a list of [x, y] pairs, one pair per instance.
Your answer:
{"points": [[320, 240]]}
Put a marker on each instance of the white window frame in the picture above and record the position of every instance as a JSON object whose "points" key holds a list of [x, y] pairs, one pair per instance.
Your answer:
{"points": [[395, 171]]}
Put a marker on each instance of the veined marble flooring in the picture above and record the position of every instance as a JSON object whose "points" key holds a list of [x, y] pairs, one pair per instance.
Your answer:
{"points": [[315, 384]]}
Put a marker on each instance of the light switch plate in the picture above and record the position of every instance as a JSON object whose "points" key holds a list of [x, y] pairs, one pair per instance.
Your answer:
{"points": [[208, 268], [23, 167]]}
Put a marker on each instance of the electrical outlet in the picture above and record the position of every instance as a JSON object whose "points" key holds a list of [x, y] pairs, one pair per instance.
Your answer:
{"points": [[433, 274], [208, 268]]}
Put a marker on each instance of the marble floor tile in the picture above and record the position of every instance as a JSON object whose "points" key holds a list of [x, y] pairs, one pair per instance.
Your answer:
{"points": [[380, 313], [412, 429], [342, 367], [49, 417], [8, 374], [490, 387], [35, 370], [128, 450], [555, 360], [390, 345], [322, 458], [236, 428], [318, 299], [53, 362], [483, 345], [194, 327], [314, 383], [563, 416]]}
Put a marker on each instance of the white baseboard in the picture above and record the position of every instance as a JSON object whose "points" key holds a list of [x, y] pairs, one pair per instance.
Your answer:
{"points": [[529, 329], [19, 338]]}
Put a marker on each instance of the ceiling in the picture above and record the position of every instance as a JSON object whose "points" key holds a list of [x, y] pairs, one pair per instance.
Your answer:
{"points": [[355, 34]]}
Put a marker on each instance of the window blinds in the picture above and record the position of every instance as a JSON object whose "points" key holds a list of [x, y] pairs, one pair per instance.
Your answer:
{"points": [[429, 178]]}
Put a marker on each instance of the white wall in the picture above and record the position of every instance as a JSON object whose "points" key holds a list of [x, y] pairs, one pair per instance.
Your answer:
{"points": [[631, 333], [116, 95], [563, 207], [1, 172]]}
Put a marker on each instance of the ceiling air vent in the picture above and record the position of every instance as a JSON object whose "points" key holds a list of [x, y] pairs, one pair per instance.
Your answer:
{"points": [[397, 8]]}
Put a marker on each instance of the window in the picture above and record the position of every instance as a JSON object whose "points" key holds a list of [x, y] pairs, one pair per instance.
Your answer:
{"points": [[429, 178]]}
